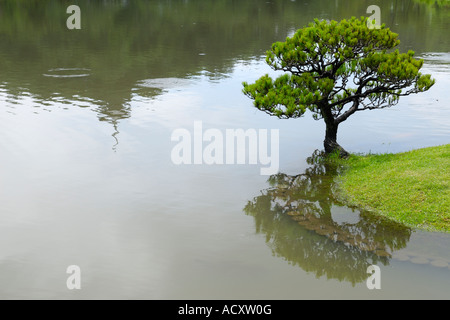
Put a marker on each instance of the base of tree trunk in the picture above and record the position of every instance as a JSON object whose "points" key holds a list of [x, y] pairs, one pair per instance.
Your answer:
{"points": [[332, 146]]}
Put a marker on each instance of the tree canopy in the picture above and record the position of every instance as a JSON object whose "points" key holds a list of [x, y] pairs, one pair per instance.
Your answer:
{"points": [[334, 69]]}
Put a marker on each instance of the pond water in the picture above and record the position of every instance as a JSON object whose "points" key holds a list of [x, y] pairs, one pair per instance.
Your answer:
{"points": [[87, 178]]}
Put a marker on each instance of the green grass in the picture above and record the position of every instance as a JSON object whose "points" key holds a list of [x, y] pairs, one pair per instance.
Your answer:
{"points": [[412, 187]]}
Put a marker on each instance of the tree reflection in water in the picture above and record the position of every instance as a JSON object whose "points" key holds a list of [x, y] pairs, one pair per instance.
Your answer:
{"points": [[296, 215]]}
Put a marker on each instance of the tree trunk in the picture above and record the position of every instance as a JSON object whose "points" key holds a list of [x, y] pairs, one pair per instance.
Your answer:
{"points": [[330, 143]]}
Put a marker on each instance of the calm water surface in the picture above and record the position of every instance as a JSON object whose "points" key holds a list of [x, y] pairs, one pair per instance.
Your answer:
{"points": [[86, 177]]}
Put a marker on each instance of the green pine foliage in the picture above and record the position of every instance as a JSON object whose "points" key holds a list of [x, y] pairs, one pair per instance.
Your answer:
{"points": [[338, 67]]}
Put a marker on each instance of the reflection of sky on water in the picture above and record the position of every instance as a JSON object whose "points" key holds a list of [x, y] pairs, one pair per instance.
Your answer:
{"points": [[417, 121]]}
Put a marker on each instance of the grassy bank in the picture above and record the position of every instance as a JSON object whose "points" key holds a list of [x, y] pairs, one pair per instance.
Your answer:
{"points": [[412, 187]]}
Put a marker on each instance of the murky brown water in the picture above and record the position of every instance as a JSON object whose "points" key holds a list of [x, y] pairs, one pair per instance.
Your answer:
{"points": [[86, 177]]}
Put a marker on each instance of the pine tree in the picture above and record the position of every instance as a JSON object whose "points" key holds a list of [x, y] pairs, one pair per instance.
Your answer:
{"points": [[334, 69]]}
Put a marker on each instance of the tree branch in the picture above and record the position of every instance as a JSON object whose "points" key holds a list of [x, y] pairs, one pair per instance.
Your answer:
{"points": [[348, 113]]}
